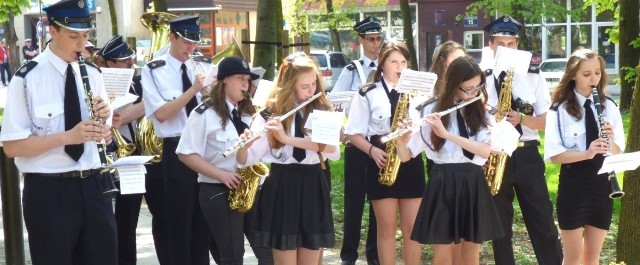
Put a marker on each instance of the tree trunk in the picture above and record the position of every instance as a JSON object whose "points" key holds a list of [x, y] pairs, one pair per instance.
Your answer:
{"points": [[628, 55], [160, 5], [333, 27], [279, 20], [114, 19], [265, 51], [629, 228], [407, 32]]}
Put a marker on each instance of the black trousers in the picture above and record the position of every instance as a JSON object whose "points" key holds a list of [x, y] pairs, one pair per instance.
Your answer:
{"points": [[229, 227], [6, 67], [355, 163], [187, 229], [127, 210], [69, 221], [524, 177]]}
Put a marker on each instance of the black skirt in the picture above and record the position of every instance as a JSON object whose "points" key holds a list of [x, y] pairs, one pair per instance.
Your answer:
{"points": [[294, 209], [456, 205], [583, 197]]}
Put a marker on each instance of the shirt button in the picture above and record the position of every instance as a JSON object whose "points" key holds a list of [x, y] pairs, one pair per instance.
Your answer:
{"points": [[380, 117], [575, 134], [49, 114]]}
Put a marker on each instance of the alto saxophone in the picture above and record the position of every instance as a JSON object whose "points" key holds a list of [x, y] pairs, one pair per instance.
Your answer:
{"points": [[389, 173], [494, 170], [241, 199]]}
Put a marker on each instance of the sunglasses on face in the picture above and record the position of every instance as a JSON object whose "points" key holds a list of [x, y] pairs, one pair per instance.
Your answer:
{"points": [[470, 91]]}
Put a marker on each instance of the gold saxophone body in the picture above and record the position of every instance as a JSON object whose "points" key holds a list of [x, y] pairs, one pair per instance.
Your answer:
{"points": [[389, 173], [494, 169], [241, 199]]}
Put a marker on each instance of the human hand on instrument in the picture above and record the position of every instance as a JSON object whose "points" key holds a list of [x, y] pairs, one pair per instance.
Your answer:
{"points": [[436, 125], [86, 131], [107, 136], [198, 80], [513, 117], [607, 129], [379, 156], [404, 138], [101, 108], [599, 146], [275, 127], [246, 135], [116, 121], [229, 179]]}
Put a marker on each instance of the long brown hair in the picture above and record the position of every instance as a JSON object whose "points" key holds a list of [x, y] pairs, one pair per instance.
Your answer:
{"points": [[564, 89], [460, 70], [217, 100], [282, 97], [385, 51], [439, 66]]}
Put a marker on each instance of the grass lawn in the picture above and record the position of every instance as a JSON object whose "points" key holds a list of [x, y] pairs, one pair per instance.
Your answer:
{"points": [[522, 246]]}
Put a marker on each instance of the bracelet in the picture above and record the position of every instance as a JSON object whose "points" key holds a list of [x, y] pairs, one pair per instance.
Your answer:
{"points": [[370, 147], [521, 118]]}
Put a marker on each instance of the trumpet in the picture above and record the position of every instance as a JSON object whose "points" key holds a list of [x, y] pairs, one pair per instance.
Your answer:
{"points": [[123, 148], [397, 133], [245, 141], [616, 192]]}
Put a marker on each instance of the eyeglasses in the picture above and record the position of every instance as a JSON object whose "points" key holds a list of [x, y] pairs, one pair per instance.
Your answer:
{"points": [[373, 39], [470, 91]]}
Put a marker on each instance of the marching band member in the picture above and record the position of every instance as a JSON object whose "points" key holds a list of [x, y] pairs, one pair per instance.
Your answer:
{"points": [[457, 213], [223, 115], [351, 78], [294, 209], [571, 139], [47, 128], [524, 171], [116, 53], [171, 90], [370, 117], [446, 53]]}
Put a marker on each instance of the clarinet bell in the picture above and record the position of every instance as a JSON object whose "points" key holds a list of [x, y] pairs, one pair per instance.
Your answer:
{"points": [[616, 192], [108, 183]]}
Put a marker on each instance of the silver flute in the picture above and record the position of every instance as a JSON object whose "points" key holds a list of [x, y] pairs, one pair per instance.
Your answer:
{"points": [[397, 133], [255, 135]]}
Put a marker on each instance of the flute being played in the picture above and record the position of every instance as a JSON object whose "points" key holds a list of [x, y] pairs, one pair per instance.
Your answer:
{"points": [[395, 134], [243, 142]]}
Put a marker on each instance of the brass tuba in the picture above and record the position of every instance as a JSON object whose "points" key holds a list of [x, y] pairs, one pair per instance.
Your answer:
{"points": [[231, 50], [389, 173], [241, 199], [147, 141], [494, 169]]}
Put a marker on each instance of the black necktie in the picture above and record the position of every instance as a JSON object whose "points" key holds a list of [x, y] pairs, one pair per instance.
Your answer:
{"points": [[298, 153], [372, 64], [393, 97], [237, 122], [72, 113], [463, 132], [186, 84]]}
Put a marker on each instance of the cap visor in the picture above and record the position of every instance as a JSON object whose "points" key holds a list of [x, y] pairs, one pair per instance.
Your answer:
{"points": [[80, 27], [190, 37]]}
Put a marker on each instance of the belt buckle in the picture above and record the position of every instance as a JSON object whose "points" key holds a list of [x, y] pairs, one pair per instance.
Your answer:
{"points": [[520, 144], [82, 175]]}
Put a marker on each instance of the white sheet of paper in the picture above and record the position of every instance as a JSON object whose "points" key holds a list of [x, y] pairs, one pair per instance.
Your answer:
{"points": [[131, 179], [117, 81], [211, 75], [325, 127], [511, 58], [504, 137], [620, 162], [131, 160], [262, 92], [421, 82], [487, 59], [122, 102], [341, 100]]}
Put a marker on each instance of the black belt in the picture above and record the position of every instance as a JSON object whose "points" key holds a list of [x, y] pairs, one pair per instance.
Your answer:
{"points": [[71, 174], [528, 143], [172, 139]]}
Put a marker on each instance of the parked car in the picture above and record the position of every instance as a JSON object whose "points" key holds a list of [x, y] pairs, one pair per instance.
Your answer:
{"points": [[552, 71], [331, 64]]}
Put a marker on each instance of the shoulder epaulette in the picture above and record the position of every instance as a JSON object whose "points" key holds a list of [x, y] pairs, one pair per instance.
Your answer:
{"points": [[24, 69], [366, 88], [94, 66], [555, 106], [155, 64], [202, 59], [488, 72], [351, 66], [201, 108], [426, 103], [614, 102], [534, 70], [266, 114]]}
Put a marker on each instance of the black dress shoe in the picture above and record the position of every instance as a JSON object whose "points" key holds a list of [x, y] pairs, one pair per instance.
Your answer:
{"points": [[348, 262], [373, 262]]}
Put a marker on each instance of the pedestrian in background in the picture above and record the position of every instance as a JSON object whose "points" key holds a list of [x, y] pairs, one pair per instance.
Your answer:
{"points": [[28, 51], [5, 63]]}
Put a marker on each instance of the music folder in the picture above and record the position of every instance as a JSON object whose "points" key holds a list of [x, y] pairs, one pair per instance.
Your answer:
{"points": [[620, 162]]}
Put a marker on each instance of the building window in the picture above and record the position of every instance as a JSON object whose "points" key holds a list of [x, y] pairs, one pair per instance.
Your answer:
{"points": [[473, 40]]}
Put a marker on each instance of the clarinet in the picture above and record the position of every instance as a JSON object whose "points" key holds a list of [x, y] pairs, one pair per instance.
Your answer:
{"points": [[109, 185], [616, 192]]}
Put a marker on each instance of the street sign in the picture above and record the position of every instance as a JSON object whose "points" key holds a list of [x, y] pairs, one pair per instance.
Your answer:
{"points": [[470, 21]]}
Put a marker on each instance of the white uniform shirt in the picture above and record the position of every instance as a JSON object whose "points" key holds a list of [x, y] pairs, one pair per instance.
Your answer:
{"points": [[530, 89], [450, 152], [370, 114], [350, 79], [41, 113], [261, 151], [161, 85], [204, 135], [574, 133]]}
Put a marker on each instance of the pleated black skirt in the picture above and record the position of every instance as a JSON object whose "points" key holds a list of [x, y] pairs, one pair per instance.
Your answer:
{"points": [[583, 197], [294, 209], [456, 205]]}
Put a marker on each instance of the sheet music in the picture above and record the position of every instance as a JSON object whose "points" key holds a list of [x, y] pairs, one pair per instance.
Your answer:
{"points": [[262, 92], [132, 179], [620, 162], [117, 81], [120, 103], [511, 58], [341, 100], [421, 82], [211, 75], [325, 127], [504, 137], [131, 160]]}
